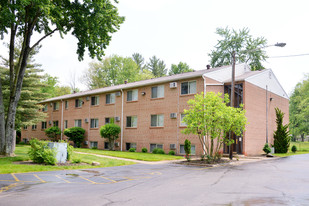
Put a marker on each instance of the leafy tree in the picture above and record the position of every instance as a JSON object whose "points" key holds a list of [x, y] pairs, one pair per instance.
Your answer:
{"points": [[91, 22], [299, 109], [75, 134], [157, 67], [28, 110], [111, 132], [211, 119], [281, 135], [51, 88], [113, 70], [247, 48], [52, 133], [180, 68]]}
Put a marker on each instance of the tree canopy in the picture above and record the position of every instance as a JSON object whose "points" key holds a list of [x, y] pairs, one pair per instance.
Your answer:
{"points": [[210, 117], [91, 22], [299, 109], [247, 49], [157, 67], [114, 70], [50, 87], [180, 68]]}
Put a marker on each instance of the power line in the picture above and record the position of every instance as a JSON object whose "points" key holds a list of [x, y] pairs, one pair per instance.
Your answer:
{"points": [[295, 55]]}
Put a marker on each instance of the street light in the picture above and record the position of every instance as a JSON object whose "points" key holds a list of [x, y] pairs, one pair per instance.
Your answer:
{"points": [[233, 88]]}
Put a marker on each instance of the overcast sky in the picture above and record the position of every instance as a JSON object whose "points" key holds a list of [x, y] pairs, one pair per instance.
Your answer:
{"points": [[182, 30]]}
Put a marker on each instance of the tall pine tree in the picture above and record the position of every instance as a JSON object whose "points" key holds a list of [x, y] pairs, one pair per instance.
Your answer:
{"points": [[281, 135]]}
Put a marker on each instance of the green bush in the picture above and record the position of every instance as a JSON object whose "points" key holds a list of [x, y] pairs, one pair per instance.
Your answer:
{"points": [[52, 133], [294, 148], [94, 147], [187, 148], [111, 132], [281, 135], [132, 149], [158, 151], [75, 134], [266, 148], [41, 153], [171, 152], [76, 161], [144, 150]]}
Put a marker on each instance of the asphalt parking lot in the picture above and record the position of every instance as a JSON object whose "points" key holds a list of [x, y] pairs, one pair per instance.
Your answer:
{"points": [[283, 181]]}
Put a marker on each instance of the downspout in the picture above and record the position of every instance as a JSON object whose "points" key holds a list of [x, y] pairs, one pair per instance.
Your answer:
{"points": [[121, 134], [61, 120], [204, 148]]}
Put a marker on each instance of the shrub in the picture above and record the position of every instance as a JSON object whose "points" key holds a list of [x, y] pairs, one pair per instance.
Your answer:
{"points": [[75, 134], [132, 149], [266, 148], [52, 133], [111, 132], [158, 151], [294, 148], [41, 153], [144, 150], [76, 161], [94, 148], [281, 135], [187, 148], [171, 152]]}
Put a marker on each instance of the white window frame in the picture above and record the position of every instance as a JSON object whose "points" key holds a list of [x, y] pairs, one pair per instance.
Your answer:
{"points": [[159, 146], [133, 120], [93, 144], [44, 125], [65, 124], [191, 89], [56, 106], [77, 123], [45, 108], [56, 123], [112, 98], [134, 94], [34, 127], [94, 123], [183, 124], [66, 104], [159, 92], [158, 118], [96, 100], [79, 104]]}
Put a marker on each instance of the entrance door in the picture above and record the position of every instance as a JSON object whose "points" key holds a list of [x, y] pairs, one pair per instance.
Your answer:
{"points": [[237, 145]]}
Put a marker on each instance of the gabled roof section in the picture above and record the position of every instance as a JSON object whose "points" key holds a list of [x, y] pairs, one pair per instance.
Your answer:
{"points": [[154, 81]]}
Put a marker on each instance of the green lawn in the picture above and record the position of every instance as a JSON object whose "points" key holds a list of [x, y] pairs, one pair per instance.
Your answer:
{"points": [[131, 155], [302, 148], [7, 165]]}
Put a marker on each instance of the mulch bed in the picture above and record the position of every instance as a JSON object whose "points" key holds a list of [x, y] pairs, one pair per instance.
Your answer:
{"points": [[59, 164], [200, 163]]}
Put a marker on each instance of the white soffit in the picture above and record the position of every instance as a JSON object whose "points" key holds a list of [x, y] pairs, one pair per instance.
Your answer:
{"points": [[225, 74], [268, 78]]}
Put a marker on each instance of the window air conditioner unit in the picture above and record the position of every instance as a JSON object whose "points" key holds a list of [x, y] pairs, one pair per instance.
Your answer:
{"points": [[117, 94], [172, 146], [173, 85], [85, 142], [86, 120], [173, 115], [116, 144], [87, 98], [117, 119]]}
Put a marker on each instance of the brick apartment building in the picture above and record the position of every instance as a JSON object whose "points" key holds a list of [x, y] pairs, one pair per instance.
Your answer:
{"points": [[149, 112]]}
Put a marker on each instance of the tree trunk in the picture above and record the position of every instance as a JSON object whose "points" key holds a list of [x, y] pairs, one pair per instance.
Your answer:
{"points": [[2, 122], [302, 137]]}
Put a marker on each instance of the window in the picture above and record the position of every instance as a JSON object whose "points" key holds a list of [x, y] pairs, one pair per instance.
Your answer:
{"points": [[25, 127], [182, 149], [181, 120], [157, 92], [130, 145], [132, 95], [94, 123], [153, 146], [132, 121], [109, 120], [56, 123], [106, 145], [34, 127], [157, 120], [78, 103], [188, 87], [65, 124], [78, 123], [110, 98], [66, 104], [94, 100], [45, 108], [56, 106], [93, 144], [44, 125]]}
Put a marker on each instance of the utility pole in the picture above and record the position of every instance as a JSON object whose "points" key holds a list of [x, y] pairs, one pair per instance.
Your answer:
{"points": [[232, 100]]}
